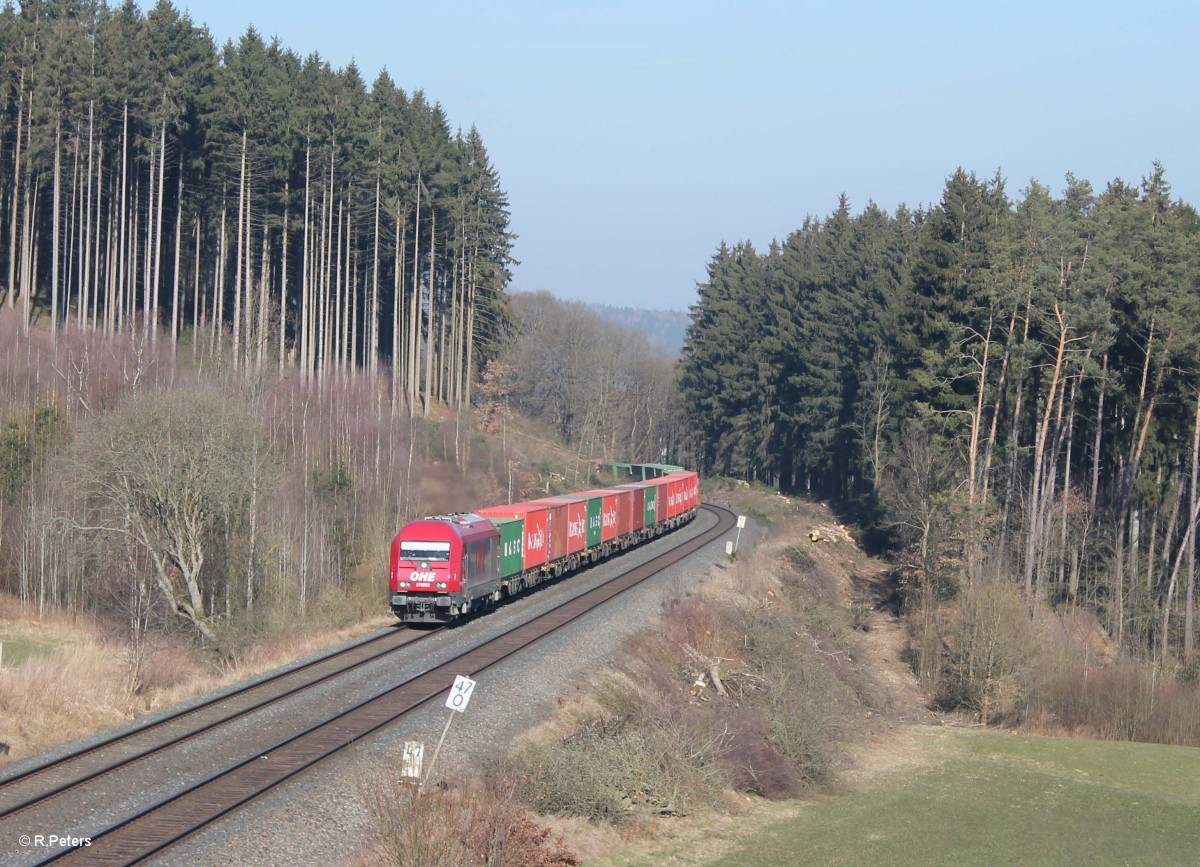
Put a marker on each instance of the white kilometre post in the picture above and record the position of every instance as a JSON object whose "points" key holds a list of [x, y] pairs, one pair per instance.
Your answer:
{"points": [[412, 760], [741, 524], [460, 694]]}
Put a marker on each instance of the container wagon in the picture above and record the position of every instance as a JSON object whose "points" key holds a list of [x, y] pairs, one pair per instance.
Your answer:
{"points": [[447, 566]]}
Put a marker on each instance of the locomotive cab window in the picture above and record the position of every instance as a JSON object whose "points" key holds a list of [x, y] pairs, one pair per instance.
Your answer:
{"points": [[425, 550]]}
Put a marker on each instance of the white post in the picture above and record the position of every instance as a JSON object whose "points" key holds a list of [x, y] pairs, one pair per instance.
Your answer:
{"points": [[438, 749], [460, 696]]}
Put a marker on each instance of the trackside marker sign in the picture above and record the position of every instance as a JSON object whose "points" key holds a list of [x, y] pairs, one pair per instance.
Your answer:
{"points": [[460, 693]]}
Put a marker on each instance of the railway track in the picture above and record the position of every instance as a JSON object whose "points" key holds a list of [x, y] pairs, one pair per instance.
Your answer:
{"points": [[36, 785], [175, 817]]}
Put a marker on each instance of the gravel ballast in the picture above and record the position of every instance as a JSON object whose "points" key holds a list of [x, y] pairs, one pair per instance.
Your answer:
{"points": [[318, 817]]}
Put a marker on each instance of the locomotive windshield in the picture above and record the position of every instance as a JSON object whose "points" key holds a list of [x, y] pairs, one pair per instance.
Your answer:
{"points": [[424, 550]]}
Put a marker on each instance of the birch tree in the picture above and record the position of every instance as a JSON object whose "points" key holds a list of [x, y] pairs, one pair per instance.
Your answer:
{"points": [[163, 470]]}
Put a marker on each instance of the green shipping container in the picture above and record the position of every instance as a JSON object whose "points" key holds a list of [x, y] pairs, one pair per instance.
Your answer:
{"points": [[594, 505], [651, 494], [512, 542]]}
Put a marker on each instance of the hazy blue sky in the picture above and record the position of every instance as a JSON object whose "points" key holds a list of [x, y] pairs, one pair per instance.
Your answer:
{"points": [[633, 137]]}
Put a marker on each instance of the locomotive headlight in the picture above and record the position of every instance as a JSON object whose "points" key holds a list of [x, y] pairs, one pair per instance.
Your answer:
{"points": [[441, 585], [406, 584]]}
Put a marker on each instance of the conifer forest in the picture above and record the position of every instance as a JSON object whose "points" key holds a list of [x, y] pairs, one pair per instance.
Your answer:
{"points": [[243, 197], [1002, 386], [227, 273], [991, 385]]}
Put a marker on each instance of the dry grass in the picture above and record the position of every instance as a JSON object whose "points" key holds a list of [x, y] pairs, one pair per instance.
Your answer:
{"points": [[70, 691], [75, 681], [748, 685], [461, 823]]}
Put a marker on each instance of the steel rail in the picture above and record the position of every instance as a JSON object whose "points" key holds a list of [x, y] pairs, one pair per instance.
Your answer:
{"points": [[79, 767], [166, 823]]}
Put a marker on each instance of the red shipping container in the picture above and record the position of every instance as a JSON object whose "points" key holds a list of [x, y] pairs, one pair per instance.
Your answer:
{"points": [[650, 509], [609, 511], [624, 510], [536, 519], [557, 526], [637, 514], [687, 491], [675, 505], [576, 535]]}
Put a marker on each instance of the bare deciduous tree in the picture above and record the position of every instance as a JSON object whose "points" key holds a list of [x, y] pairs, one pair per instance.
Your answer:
{"points": [[164, 470]]}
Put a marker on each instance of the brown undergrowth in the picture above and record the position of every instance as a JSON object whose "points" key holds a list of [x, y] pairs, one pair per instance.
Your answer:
{"points": [[467, 822], [755, 684], [752, 689], [63, 678], [1052, 669]]}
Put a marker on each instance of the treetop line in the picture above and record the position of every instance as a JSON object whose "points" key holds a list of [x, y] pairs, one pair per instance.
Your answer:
{"points": [[245, 196], [1004, 387]]}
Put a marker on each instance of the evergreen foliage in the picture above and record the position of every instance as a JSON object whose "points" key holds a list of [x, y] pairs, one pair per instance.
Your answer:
{"points": [[261, 201], [988, 381]]}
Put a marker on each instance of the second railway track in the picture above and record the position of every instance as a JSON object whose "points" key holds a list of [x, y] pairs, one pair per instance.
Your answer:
{"points": [[40, 782], [182, 813]]}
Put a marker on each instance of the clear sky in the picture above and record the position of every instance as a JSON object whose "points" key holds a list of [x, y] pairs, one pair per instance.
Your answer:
{"points": [[633, 137]]}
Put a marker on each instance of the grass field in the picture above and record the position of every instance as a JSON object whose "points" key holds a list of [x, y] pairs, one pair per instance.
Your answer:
{"points": [[987, 798], [14, 650]]}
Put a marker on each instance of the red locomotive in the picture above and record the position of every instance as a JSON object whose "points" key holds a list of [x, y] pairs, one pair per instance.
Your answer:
{"points": [[447, 566]]}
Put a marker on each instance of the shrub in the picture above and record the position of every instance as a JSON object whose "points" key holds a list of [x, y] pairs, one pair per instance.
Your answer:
{"points": [[753, 763], [807, 705], [618, 769], [1125, 701], [473, 822], [990, 644], [753, 693]]}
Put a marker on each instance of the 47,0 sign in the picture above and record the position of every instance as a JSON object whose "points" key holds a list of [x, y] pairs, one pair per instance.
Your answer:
{"points": [[460, 693]]}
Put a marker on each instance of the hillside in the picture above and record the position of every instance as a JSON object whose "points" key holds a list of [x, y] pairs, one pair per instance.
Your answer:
{"points": [[909, 778], [664, 328]]}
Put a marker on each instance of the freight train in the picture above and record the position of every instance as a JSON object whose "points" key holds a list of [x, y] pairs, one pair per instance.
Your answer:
{"points": [[447, 566]]}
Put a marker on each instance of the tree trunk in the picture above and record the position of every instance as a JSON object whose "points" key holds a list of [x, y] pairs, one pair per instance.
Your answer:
{"points": [[219, 281], [122, 286], [264, 280], [373, 330], [156, 282], [428, 393], [56, 217], [1189, 603], [415, 309], [85, 282], [241, 251], [398, 365], [283, 278], [305, 336], [175, 317], [197, 310], [16, 196], [1033, 524]]}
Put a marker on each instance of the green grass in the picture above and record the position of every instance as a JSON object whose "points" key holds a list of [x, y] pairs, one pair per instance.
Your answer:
{"points": [[17, 650], [995, 798]]}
